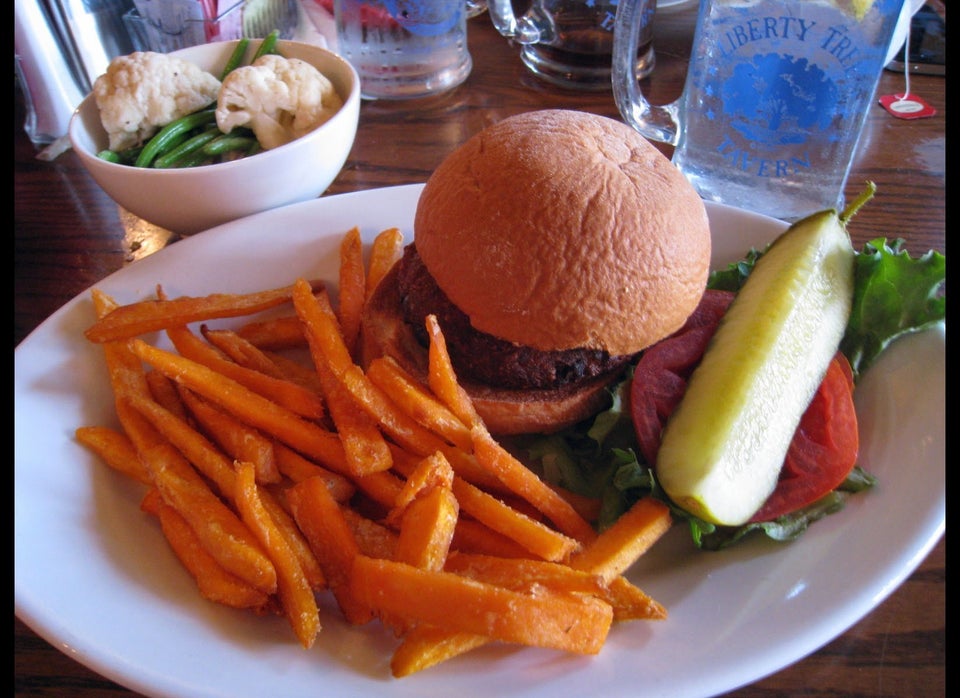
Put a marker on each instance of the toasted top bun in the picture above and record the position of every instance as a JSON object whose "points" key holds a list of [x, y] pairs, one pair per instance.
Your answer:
{"points": [[559, 229]]}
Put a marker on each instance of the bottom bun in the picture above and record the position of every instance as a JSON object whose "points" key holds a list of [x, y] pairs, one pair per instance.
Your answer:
{"points": [[504, 412]]}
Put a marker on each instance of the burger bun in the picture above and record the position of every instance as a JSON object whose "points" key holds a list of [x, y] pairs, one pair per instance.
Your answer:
{"points": [[556, 230]]}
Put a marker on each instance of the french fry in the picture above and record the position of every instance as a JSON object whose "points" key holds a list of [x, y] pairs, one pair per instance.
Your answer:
{"points": [[406, 392], [330, 537], [294, 537], [573, 623], [296, 594], [204, 456], [241, 351], [443, 379], [532, 535], [251, 407], [525, 483], [432, 471], [284, 332], [237, 439], [115, 449], [353, 287], [127, 377], [103, 302], [323, 333], [297, 468], [164, 392], [196, 348], [474, 537], [125, 370], [525, 575], [384, 252], [380, 487], [216, 526], [134, 319], [619, 546], [215, 583], [142, 434], [630, 602], [290, 395], [427, 528], [587, 507], [151, 501], [426, 531], [404, 462], [443, 382], [423, 646], [364, 447], [321, 326], [463, 464], [373, 538], [396, 423], [219, 530], [297, 372]]}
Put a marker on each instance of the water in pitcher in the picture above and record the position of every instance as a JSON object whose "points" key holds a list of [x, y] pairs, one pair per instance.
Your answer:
{"points": [[404, 48], [779, 91]]}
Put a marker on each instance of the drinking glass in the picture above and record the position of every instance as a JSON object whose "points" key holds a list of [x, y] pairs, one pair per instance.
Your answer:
{"points": [[569, 43], [404, 49]]}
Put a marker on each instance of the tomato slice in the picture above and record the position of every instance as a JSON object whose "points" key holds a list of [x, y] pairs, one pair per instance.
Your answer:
{"points": [[660, 377], [824, 448]]}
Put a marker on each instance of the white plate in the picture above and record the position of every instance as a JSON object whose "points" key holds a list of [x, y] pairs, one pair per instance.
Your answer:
{"points": [[95, 578]]}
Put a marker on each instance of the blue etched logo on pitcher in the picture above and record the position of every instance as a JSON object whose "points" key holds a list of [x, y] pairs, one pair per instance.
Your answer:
{"points": [[778, 99]]}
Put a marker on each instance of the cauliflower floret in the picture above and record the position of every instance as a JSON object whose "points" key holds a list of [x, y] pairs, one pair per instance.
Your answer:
{"points": [[144, 91], [279, 99]]}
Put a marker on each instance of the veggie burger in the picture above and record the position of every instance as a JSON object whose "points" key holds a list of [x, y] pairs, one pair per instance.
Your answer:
{"points": [[553, 247]]}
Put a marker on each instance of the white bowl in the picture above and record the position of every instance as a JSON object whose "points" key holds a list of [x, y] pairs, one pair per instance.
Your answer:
{"points": [[190, 200]]}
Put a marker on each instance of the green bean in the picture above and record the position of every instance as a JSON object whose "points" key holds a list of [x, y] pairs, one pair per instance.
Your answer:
{"points": [[173, 156], [110, 156], [126, 156], [172, 134], [194, 159], [130, 155], [268, 45], [225, 144], [236, 58]]}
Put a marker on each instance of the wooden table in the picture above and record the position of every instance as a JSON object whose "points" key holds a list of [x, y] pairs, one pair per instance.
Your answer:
{"points": [[68, 235]]}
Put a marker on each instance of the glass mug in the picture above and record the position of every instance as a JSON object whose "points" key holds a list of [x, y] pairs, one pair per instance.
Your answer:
{"points": [[775, 99], [475, 8], [404, 49], [569, 43]]}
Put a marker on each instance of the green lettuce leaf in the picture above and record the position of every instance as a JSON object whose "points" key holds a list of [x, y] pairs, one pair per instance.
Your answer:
{"points": [[895, 294]]}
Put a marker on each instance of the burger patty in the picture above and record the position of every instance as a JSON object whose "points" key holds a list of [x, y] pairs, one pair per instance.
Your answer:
{"points": [[482, 357]]}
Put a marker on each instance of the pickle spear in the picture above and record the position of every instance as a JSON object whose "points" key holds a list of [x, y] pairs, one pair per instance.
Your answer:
{"points": [[723, 447]]}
